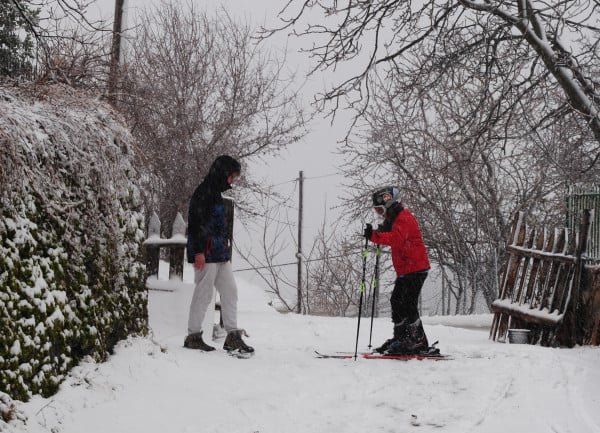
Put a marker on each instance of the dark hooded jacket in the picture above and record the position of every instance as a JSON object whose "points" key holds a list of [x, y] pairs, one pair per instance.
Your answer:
{"points": [[208, 226]]}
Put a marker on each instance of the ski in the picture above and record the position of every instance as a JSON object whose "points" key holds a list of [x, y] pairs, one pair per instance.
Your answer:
{"points": [[432, 354], [422, 357], [338, 355], [240, 355]]}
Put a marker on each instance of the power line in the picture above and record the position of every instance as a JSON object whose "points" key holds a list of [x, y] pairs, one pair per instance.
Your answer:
{"points": [[289, 264], [322, 176], [307, 178]]}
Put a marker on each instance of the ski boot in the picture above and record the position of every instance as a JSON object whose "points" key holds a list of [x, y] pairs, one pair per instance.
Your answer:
{"points": [[195, 341], [235, 346], [413, 341], [399, 333], [385, 346]]}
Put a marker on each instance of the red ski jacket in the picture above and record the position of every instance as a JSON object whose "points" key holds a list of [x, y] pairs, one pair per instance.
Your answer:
{"points": [[408, 249]]}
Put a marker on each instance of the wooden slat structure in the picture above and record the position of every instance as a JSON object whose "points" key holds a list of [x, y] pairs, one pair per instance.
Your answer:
{"points": [[540, 286]]}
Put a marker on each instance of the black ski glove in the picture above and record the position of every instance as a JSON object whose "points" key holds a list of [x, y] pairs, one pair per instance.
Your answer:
{"points": [[368, 231]]}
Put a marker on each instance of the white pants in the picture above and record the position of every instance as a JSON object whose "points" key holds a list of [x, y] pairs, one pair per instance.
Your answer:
{"points": [[219, 276]]}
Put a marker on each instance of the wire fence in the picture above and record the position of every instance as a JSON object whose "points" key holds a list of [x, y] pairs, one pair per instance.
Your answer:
{"points": [[578, 199]]}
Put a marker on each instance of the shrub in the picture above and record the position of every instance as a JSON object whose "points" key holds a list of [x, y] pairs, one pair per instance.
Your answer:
{"points": [[71, 227]]}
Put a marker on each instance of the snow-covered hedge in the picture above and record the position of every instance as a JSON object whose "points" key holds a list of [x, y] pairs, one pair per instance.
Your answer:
{"points": [[71, 227]]}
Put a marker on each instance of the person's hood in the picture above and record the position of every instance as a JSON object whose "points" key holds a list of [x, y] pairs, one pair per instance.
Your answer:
{"points": [[390, 217], [220, 170]]}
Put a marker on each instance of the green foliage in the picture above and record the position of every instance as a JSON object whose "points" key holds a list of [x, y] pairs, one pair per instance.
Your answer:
{"points": [[16, 37], [71, 273]]}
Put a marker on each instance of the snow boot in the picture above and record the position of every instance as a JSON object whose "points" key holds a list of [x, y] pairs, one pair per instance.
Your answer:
{"points": [[234, 342], [411, 342], [195, 341]]}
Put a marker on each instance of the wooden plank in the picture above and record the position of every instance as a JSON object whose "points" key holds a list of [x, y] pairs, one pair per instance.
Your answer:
{"points": [[176, 257], [562, 278], [509, 274], [522, 312], [541, 255], [555, 280], [519, 232], [524, 275], [152, 258], [535, 266], [574, 292], [559, 245], [546, 265], [532, 282], [537, 332]]}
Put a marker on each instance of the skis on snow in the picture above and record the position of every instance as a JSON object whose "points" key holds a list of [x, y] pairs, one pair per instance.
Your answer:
{"points": [[421, 357], [432, 354]]}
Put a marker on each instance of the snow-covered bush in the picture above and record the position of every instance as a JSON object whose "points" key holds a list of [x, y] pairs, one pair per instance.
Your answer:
{"points": [[71, 227]]}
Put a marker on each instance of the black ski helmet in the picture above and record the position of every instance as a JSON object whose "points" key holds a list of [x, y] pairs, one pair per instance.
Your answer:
{"points": [[386, 196]]}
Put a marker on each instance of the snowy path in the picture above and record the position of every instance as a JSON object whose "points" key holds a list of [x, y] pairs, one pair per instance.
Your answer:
{"points": [[489, 387]]}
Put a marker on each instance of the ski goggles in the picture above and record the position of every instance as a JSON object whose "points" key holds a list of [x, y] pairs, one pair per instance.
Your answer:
{"points": [[379, 209]]}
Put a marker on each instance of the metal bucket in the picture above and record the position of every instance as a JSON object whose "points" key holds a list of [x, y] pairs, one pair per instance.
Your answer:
{"points": [[518, 336]]}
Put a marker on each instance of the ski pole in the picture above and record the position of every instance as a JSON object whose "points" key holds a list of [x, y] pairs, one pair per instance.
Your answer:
{"points": [[375, 290], [362, 291]]}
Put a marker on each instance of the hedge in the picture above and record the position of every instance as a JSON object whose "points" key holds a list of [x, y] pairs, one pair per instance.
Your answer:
{"points": [[71, 227]]}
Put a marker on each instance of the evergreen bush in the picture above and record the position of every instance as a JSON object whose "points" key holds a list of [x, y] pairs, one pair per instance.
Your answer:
{"points": [[71, 229]]}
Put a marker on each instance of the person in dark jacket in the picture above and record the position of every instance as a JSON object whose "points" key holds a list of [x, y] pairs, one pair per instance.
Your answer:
{"points": [[401, 232], [208, 249]]}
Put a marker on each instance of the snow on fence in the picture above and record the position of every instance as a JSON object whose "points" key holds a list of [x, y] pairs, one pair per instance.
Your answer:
{"points": [[541, 280], [175, 245]]}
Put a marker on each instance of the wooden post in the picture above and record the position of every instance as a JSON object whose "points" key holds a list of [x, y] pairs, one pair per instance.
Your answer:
{"points": [[299, 253], [500, 322], [153, 251], [176, 252], [229, 214], [115, 49], [584, 232]]}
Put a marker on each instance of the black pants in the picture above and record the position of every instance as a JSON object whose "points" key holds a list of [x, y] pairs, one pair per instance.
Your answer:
{"points": [[405, 297]]}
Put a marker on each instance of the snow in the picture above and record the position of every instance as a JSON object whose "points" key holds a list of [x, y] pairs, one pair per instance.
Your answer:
{"points": [[154, 385], [542, 314]]}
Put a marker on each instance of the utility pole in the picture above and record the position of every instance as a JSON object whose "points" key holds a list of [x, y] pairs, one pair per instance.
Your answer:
{"points": [[115, 54], [299, 253]]}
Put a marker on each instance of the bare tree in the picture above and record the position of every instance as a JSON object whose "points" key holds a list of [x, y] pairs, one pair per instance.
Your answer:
{"points": [[70, 47], [333, 269], [557, 39], [265, 259], [476, 109], [332, 265], [75, 57], [197, 86], [468, 151]]}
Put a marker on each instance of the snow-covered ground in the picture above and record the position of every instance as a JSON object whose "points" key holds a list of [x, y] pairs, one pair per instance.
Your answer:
{"points": [[154, 385]]}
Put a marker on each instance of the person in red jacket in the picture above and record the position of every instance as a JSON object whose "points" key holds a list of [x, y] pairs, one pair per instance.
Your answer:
{"points": [[401, 232]]}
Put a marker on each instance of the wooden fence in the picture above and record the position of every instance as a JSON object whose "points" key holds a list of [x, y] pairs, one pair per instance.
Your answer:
{"points": [[175, 245], [541, 282]]}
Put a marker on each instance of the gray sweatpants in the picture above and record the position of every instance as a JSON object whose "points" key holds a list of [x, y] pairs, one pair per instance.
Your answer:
{"points": [[219, 276]]}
